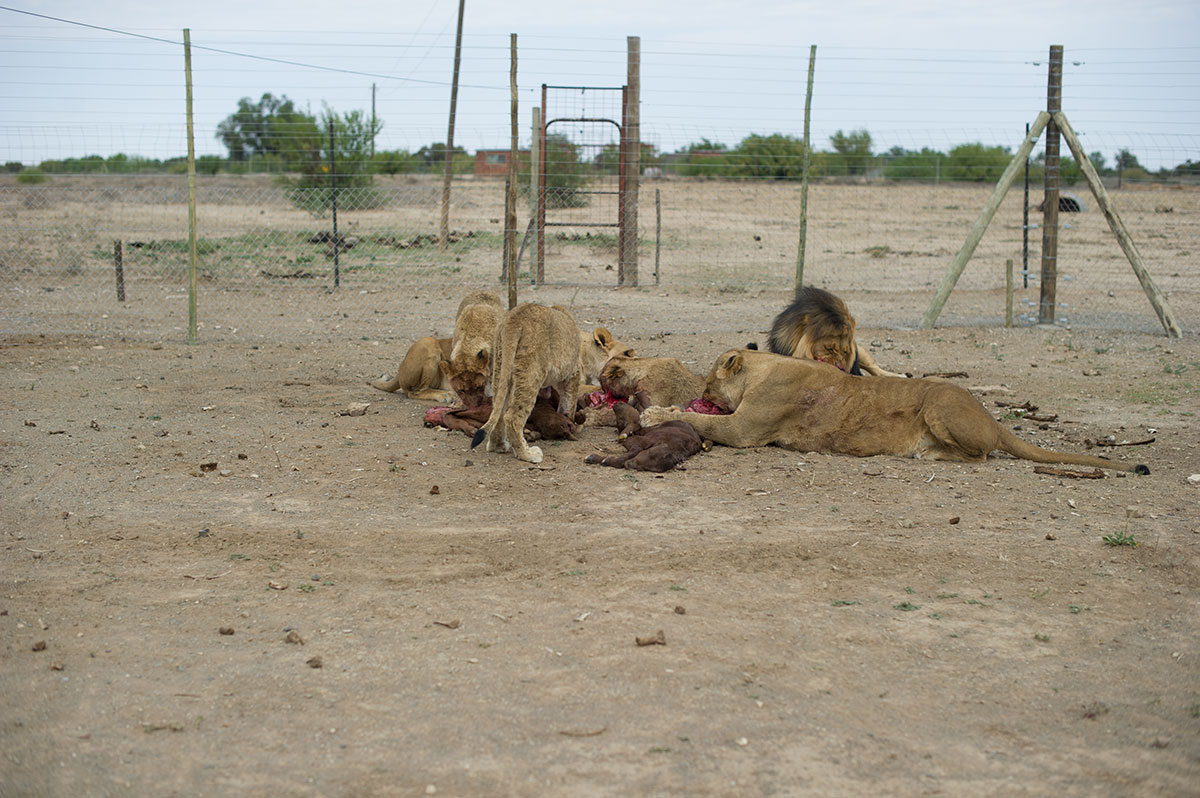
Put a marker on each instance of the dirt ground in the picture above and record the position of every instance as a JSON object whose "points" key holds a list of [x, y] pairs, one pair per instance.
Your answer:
{"points": [[215, 584]]}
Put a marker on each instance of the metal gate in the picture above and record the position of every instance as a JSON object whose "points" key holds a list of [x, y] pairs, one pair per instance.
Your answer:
{"points": [[581, 172]]}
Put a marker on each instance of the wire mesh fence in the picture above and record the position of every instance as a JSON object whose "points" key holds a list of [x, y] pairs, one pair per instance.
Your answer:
{"points": [[718, 201], [261, 254]]}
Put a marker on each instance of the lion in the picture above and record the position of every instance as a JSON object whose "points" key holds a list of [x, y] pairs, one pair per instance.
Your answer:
{"points": [[663, 380], [640, 381], [535, 347], [595, 348], [467, 368], [818, 326], [420, 375], [813, 407]]}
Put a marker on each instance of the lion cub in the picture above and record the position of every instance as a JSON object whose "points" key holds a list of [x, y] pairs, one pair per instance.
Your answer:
{"points": [[595, 348], [665, 381], [470, 354], [535, 347], [420, 374]]}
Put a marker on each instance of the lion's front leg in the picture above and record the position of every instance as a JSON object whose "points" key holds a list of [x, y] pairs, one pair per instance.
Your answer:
{"points": [[736, 430], [867, 364]]}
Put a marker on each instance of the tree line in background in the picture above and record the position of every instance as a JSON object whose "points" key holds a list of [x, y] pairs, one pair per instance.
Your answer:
{"points": [[274, 136]]}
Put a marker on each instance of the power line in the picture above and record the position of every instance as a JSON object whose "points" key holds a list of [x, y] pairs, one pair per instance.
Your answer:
{"points": [[238, 54]]}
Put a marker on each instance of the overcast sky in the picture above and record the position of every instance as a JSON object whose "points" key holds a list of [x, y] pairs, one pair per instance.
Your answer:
{"points": [[924, 73]]}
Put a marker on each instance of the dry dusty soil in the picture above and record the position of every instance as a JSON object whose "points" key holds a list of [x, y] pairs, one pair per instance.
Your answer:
{"points": [[212, 583]]}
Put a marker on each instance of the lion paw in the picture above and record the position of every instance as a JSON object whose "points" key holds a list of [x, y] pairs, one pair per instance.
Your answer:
{"points": [[532, 454]]}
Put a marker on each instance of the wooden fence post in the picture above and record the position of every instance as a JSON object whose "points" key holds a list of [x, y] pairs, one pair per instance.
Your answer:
{"points": [[805, 168], [1008, 292], [1050, 203], [510, 185], [119, 263], [191, 183]]}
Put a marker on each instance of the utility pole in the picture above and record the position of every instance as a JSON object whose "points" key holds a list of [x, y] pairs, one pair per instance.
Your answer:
{"points": [[444, 240]]}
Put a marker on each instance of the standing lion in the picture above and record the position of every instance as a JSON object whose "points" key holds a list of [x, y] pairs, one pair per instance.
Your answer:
{"points": [[535, 347], [470, 355]]}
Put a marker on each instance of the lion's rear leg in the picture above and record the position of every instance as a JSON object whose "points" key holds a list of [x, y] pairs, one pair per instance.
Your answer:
{"points": [[432, 395], [514, 427], [497, 441], [963, 440]]}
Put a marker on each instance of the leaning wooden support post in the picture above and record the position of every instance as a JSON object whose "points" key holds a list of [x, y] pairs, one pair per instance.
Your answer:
{"points": [[1158, 300], [985, 218]]}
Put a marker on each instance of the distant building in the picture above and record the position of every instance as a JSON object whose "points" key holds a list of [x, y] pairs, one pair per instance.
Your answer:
{"points": [[494, 163]]}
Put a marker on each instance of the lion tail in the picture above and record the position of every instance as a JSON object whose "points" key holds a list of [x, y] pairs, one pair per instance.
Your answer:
{"points": [[1019, 448]]}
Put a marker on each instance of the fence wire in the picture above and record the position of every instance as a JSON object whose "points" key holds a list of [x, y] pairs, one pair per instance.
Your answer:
{"points": [[263, 258], [99, 207]]}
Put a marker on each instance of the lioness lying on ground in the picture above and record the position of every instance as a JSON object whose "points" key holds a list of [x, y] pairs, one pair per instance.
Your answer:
{"points": [[817, 325], [535, 347], [467, 368], [420, 374], [813, 407]]}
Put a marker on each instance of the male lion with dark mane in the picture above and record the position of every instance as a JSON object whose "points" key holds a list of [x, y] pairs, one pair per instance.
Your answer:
{"points": [[813, 407], [818, 326]]}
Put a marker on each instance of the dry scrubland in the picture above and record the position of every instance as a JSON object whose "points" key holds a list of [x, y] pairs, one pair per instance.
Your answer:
{"points": [[884, 247], [833, 625]]}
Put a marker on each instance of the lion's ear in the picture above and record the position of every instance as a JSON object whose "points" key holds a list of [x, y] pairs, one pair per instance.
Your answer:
{"points": [[603, 338], [732, 364], [482, 356], [629, 353], [617, 372]]}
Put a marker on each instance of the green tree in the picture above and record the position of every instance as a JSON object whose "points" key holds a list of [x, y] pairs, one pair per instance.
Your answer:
{"points": [[1188, 167], [902, 164], [855, 150], [433, 156], [352, 134], [1126, 160], [776, 156], [272, 126], [702, 158], [976, 163], [566, 174], [395, 162]]}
